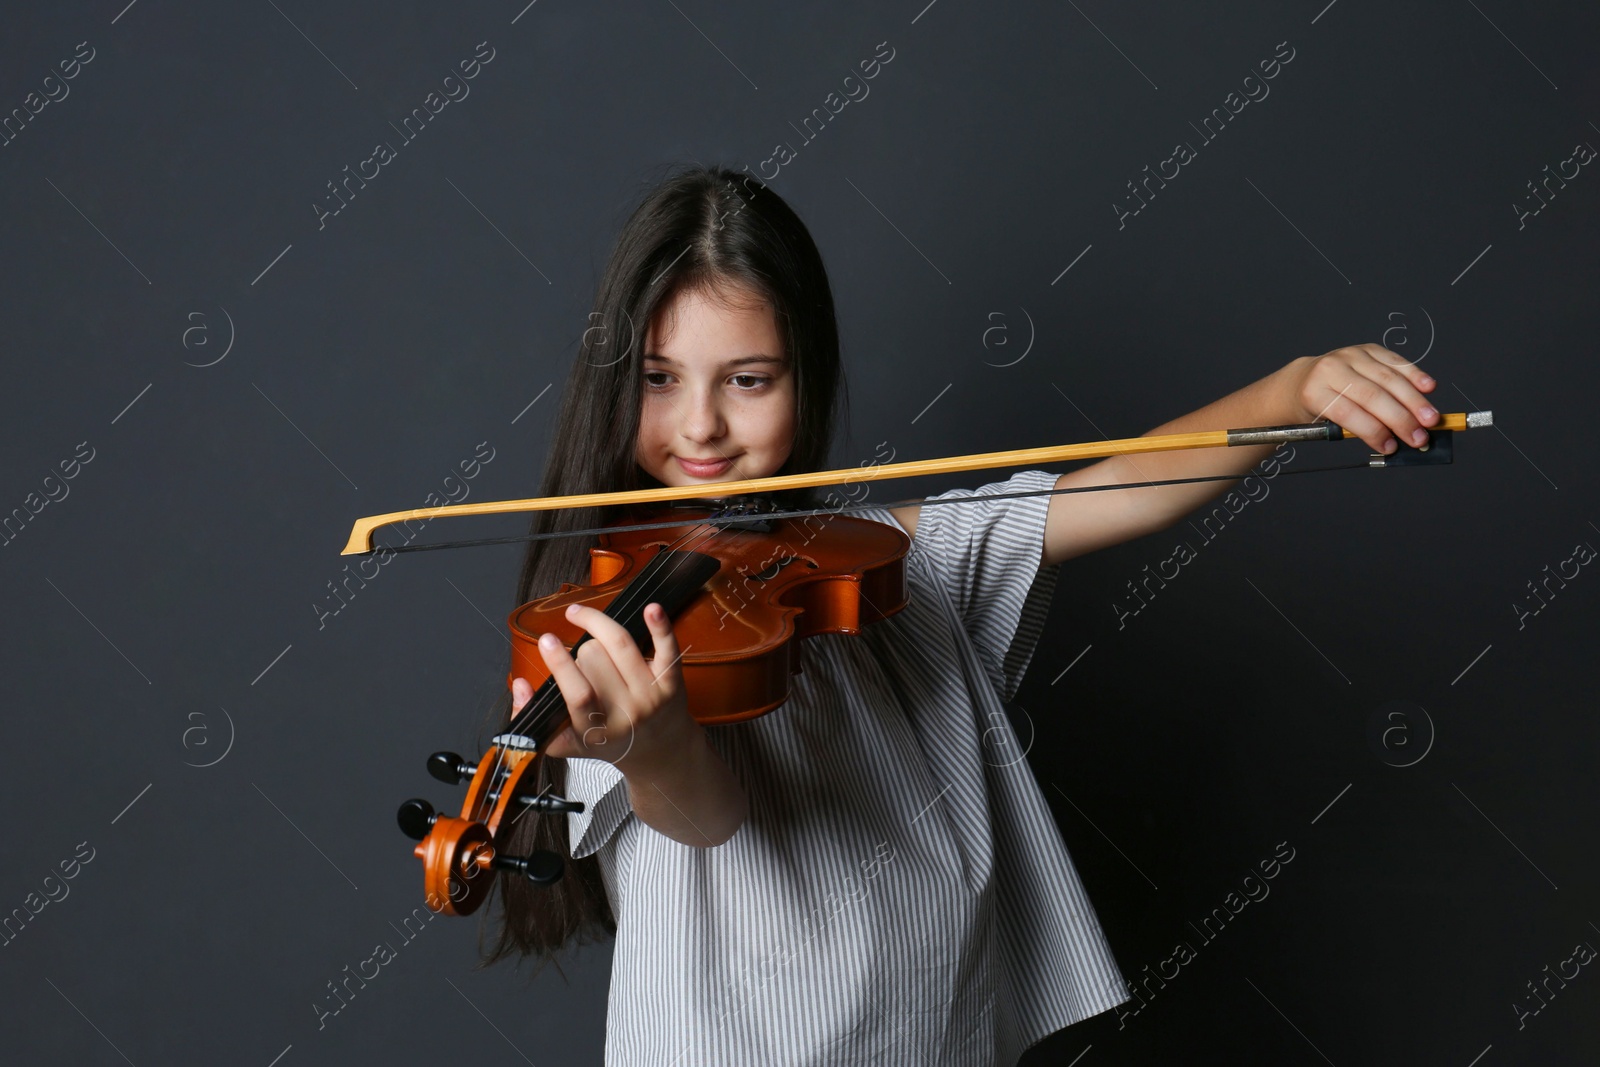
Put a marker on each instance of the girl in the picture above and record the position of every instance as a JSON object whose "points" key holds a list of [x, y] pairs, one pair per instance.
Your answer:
{"points": [[864, 875]]}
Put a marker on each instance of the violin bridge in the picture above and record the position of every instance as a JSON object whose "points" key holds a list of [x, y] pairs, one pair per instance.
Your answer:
{"points": [[750, 510]]}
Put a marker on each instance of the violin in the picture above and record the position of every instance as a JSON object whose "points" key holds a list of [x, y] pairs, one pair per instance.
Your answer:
{"points": [[740, 593], [742, 582]]}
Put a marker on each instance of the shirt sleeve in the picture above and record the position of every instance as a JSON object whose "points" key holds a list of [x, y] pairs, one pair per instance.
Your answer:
{"points": [[986, 557], [604, 793]]}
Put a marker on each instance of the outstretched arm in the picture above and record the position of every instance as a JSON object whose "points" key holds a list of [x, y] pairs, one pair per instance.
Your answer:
{"points": [[1371, 391], [1367, 389]]}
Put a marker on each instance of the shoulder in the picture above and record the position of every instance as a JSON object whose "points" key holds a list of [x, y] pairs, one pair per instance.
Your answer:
{"points": [[995, 511]]}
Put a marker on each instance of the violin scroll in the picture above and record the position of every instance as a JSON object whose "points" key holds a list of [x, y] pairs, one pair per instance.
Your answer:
{"points": [[456, 851]]}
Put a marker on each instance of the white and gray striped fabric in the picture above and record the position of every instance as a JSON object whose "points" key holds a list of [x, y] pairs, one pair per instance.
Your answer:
{"points": [[900, 892]]}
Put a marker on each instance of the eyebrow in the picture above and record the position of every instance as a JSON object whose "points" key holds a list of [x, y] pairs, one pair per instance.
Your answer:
{"points": [[740, 362]]}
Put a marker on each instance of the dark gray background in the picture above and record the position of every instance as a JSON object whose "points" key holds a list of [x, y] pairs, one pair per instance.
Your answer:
{"points": [[1235, 712]]}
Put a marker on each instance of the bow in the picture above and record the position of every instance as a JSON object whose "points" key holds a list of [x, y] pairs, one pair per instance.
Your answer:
{"points": [[1438, 450]]}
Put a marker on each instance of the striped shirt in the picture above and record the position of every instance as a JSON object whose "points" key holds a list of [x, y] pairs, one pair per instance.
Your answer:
{"points": [[899, 892]]}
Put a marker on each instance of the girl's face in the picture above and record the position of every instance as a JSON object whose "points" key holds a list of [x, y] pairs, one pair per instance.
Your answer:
{"points": [[719, 399]]}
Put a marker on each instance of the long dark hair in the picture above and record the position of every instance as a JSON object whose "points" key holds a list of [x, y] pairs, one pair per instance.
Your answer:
{"points": [[707, 229]]}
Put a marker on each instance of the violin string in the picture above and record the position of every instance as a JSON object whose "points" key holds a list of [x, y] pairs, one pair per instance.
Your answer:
{"points": [[803, 513]]}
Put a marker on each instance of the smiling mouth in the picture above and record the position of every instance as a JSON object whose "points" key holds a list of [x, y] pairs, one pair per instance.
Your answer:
{"points": [[704, 468]]}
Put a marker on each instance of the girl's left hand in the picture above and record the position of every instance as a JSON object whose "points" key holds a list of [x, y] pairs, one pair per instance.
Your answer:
{"points": [[1374, 393], [619, 704]]}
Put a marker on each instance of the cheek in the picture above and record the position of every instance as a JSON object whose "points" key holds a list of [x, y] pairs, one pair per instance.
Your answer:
{"points": [[650, 423], [779, 425]]}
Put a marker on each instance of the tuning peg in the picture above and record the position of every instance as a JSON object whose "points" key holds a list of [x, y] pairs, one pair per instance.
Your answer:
{"points": [[550, 804], [450, 768], [540, 868], [416, 818]]}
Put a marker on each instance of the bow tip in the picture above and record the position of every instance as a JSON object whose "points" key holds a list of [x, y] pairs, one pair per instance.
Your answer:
{"points": [[360, 542]]}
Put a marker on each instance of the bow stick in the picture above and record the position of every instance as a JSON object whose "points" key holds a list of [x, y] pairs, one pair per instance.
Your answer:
{"points": [[360, 541]]}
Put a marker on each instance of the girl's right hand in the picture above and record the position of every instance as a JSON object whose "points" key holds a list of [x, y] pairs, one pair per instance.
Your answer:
{"points": [[620, 705]]}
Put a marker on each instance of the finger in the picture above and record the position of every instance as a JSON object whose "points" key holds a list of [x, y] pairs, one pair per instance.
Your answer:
{"points": [[521, 693], [1402, 378], [1349, 411], [576, 692], [608, 714], [1397, 399], [611, 690], [665, 672], [625, 659], [1394, 360]]}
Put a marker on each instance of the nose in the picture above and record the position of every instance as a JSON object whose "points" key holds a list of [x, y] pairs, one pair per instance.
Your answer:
{"points": [[701, 418]]}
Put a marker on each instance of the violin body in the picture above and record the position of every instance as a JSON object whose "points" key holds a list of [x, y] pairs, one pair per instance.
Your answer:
{"points": [[739, 596], [774, 587]]}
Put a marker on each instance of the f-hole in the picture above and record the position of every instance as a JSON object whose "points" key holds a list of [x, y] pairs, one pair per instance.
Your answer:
{"points": [[778, 565]]}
